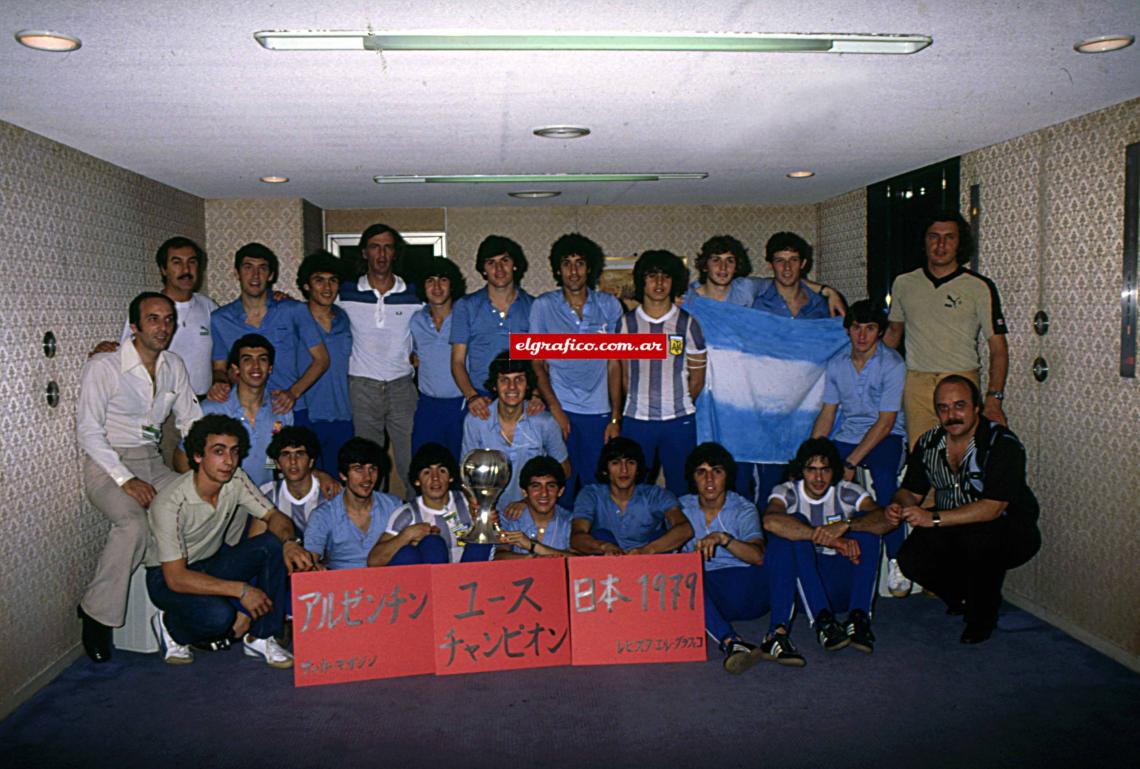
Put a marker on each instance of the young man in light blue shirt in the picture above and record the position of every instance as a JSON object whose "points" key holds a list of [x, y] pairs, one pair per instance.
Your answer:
{"points": [[727, 534], [543, 529], [440, 408], [286, 323], [864, 388], [509, 428], [483, 321], [251, 361], [584, 396], [343, 530], [324, 408], [725, 275], [622, 515]]}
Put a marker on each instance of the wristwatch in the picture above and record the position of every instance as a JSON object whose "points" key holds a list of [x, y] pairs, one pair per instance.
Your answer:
{"points": [[936, 519], [999, 394]]}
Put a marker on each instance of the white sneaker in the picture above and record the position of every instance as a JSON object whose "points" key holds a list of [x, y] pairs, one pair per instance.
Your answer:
{"points": [[269, 649], [897, 583], [175, 653]]}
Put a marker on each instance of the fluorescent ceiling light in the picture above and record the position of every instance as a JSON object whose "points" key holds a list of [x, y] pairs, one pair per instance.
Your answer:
{"points": [[535, 194], [533, 178], [1104, 44], [746, 42], [47, 41]]}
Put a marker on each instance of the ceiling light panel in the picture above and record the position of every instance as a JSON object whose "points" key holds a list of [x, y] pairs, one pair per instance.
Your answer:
{"points": [[533, 178], [745, 42], [42, 40]]}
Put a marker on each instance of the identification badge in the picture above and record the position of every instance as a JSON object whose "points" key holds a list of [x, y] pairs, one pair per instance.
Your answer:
{"points": [[152, 433]]}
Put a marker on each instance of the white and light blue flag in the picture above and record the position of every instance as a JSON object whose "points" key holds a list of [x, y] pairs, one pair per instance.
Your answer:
{"points": [[765, 378]]}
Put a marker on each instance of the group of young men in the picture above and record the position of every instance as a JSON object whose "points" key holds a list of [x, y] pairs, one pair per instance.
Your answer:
{"points": [[286, 409]]}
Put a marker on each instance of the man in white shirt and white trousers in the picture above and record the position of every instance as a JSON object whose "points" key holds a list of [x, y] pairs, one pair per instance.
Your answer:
{"points": [[124, 397]]}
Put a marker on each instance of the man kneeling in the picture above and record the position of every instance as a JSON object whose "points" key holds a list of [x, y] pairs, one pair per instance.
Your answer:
{"points": [[824, 537], [199, 572], [727, 533]]}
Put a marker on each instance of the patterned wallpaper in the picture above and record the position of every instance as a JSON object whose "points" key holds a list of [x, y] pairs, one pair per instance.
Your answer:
{"points": [[1051, 234], [77, 242], [279, 223], [841, 252]]}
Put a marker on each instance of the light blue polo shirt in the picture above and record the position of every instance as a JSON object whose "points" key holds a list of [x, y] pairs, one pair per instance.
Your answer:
{"points": [[534, 436], [738, 517], [257, 465], [769, 300], [327, 399], [643, 520], [741, 291], [476, 323], [557, 531], [332, 534], [581, 385], [861, 395], [433, 348], [287, 325]]}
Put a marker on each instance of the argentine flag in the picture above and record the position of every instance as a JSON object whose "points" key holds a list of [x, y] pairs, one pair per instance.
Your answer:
{"points": [[764, 382]]}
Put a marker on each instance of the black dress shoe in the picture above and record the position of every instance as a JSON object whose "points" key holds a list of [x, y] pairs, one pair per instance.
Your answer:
{"points": [[96, 637], [975, 634]]}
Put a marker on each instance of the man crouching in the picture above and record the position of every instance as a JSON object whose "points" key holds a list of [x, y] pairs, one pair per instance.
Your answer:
{"points": [[199, 571]]}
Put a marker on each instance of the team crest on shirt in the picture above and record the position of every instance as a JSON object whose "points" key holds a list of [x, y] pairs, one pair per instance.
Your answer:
{"points": [[277, 425], [676, 344]]}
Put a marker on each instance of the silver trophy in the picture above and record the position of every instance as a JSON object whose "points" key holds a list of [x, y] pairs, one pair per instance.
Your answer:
{"points": [[486, 472]]}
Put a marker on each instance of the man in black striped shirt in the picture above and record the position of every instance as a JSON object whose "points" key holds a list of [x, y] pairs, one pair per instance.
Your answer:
{"points": [[984, 521]]}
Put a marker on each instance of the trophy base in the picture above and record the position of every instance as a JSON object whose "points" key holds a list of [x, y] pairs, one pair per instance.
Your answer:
{"points": [[480, 537]]}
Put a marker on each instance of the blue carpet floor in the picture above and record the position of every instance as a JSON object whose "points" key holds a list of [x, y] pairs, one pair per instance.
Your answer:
{"points": [[1031, 696]]}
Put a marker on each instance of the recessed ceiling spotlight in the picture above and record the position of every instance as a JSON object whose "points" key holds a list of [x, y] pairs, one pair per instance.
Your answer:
{"points": [[1104, 44], [42, 40], [274, 179], [800, 174], [562, 132], [534, 194]]}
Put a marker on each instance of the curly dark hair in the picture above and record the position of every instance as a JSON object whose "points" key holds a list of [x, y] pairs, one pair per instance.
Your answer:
{"points": [[816, 447], [659, 261], [723, 244], [575, 243], [214, 424], [442, 267]]}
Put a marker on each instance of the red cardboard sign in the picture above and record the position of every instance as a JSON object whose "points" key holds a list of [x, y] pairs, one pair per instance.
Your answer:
{"points": [[634, 609], [502, 615], [359, 624]]}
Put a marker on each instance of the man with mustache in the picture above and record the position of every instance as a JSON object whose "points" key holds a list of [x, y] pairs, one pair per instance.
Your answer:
{"points": [[181, 262], [984, 521], [124, 397]]}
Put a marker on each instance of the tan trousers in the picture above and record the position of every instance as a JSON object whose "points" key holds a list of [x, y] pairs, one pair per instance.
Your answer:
{"points": [[106, 596], [918, 400]]}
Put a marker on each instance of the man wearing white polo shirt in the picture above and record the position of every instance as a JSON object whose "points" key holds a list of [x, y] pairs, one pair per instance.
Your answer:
{"points": [[380, 307]]}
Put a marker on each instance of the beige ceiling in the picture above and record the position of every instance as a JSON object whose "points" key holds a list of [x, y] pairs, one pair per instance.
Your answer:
{"points": [[181, 92]]}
